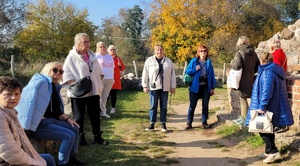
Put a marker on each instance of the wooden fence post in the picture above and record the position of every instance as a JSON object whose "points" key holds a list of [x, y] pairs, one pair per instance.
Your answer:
{"points": [[12, 66], [134, 65]]}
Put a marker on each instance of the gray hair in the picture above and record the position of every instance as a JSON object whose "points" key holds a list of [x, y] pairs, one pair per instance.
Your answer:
{"points": [[111, 47], [243, 40], [78, 37]]}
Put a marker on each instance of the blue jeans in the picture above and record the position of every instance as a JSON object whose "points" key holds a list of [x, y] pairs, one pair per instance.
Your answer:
{"points": [[194, 97], [49, 159], [162, 96], [58, 130]]}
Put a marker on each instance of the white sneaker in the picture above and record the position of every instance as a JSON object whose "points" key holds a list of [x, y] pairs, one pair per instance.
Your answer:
{"points": [[104, 115], [272, 157], [113, 110]]}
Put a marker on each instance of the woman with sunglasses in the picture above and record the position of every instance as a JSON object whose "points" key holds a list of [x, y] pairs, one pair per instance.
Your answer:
{"points": [[41, 113], [202, 86]]}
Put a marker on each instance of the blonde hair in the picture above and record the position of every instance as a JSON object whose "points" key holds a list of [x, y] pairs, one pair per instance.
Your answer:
{"points": [[98, 46], [243, 40], [49, 66]]}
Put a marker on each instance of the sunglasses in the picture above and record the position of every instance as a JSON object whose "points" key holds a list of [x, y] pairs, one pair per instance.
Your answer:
{"points": [[203, 51], [55, 70]]}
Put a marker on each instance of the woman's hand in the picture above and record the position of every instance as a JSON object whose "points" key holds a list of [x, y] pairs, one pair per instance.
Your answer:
{"points": [[212, 92], [145, 89], [173, 91], [72, 123], [197, 67], [261, 111]]}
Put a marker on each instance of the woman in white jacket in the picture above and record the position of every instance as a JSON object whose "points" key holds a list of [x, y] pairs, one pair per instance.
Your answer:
{"points": [[82, 62], [159, 78]]}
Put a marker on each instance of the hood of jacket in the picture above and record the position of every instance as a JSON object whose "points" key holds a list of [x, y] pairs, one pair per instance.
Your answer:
{"points": [[247, 49], [278, 70]]}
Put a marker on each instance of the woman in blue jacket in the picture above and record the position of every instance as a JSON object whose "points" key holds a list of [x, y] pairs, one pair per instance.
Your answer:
{"points": [[202, 86], [41, 111], [269, 93]]}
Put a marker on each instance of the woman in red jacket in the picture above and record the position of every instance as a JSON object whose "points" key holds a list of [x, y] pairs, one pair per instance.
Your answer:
{"points": [[119, 67], [277, 52]]}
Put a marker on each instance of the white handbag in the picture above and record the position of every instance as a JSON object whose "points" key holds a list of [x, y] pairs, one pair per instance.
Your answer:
{"points": [[261, 123], [234, 78]]}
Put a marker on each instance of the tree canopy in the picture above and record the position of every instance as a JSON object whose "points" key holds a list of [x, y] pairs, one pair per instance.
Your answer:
{"points": [[181, 25], [50, 29]]}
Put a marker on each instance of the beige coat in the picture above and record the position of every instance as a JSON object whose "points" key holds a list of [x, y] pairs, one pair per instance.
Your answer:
{"points": [[15, 147], [150, 71]]}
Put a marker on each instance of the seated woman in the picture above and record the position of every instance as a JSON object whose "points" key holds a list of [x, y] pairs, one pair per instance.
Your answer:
{"points": [[41, 111], [16, 148]]}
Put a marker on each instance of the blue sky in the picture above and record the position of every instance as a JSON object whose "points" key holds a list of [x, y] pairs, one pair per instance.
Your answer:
{"points": [[100, 9]]}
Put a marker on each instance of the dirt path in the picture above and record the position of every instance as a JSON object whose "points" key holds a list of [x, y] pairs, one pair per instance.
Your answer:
{"points": [[199, 147]]}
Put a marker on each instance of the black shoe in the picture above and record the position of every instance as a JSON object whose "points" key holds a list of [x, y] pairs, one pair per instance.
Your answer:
{"points": [[150, 128], [281, 129], [164, 127], [76, 161], [99, 140], [206, 126], [188, 126], [83, 141]]}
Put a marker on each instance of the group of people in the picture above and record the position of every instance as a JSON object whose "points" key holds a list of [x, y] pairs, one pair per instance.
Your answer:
{"points": [[38, 109], [265, 91]]}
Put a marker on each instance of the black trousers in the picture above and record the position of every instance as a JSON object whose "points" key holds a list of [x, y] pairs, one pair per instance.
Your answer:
{"points": [[92, 106], [113, 97], [269, 140]]}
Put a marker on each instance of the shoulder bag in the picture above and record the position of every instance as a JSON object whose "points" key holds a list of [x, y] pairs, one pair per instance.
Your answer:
{"points": [[81, 87], [234, 78]]}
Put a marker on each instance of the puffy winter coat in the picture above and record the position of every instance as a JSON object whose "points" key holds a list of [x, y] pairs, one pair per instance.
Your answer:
{"points": [[269, 93], [34, 101]]}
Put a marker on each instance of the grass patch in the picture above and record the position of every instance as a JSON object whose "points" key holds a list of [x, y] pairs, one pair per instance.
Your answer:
{"points": [[255, 140], [227, 130]]}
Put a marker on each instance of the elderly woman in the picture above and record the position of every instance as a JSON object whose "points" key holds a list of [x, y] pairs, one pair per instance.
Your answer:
{"points": [[246, 59], [107, 65], [41, 111], [269, 94], [82, 62], [119, 67], [277, 52], [16, 148], [159, 78], [202, 86]]}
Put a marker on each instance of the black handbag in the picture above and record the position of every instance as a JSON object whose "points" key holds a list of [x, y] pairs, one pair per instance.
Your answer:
{"points": [[81, 87]]}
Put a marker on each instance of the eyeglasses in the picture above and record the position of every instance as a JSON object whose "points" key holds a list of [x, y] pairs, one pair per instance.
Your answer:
{"points": [[86, 42], [55, 70], [203, 51]]}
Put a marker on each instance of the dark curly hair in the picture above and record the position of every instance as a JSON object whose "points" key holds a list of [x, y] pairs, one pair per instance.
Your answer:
{"points": [[9, 84]]}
